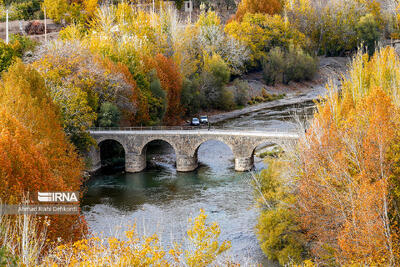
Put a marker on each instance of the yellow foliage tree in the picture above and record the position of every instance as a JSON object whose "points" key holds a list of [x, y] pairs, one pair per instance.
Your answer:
{"points": [[269, 7], [132, 250]]}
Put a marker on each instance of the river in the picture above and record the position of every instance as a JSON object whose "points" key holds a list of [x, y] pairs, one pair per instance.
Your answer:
{"points": [[160, 200]]}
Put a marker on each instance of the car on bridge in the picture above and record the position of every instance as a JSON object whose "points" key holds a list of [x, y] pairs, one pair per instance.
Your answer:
{"points": [[195, 122], [204, 119]]}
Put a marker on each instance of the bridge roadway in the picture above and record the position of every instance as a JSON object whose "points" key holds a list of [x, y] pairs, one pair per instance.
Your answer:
{"points": [[186, 142]]}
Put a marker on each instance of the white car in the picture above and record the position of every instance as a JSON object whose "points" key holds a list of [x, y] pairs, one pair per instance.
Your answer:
{"points": [[204, 119], [195, 122]]}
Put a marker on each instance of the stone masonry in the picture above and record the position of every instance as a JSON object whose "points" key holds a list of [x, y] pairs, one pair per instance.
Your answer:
{"points": [[186, 144]]}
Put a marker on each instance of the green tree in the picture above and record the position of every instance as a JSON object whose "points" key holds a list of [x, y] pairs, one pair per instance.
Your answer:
{"points": [[7, 55], [215, 76], [278, 231], [109, 115], [368, 32]]}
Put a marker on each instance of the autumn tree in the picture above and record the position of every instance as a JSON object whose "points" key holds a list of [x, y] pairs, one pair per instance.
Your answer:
{"points": [[269, 7], [342, 177], [35, 152], [171, 82], [262, 32], [80, 81]]}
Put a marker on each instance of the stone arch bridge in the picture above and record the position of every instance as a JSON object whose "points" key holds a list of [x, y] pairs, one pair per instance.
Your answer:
{"points": [[186, 142]]}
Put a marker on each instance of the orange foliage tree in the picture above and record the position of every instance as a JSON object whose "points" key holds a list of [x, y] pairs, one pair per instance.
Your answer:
{"points": [[344, 172], [270, 7], [141, 115], [171, 83], [35, 154]]}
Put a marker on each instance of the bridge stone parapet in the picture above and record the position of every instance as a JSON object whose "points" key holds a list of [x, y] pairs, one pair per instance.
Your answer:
{"points": [[186, 144]]}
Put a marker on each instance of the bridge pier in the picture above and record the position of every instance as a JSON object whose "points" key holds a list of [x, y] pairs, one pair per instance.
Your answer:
{"points": [[244, 164], [94, 159], [185, 163], [135, 162]]}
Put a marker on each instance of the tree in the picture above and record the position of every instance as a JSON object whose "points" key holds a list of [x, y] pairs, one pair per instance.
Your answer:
{"points": [[35, 152], [171, 83], [278, 230], [269, 7], [368, 32], [341, 177], [213, 80], [109, 115], [262, 32], [80, 81]]}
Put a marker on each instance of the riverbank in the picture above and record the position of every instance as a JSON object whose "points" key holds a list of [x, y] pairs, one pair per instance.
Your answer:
{"points": [[330, 68]]}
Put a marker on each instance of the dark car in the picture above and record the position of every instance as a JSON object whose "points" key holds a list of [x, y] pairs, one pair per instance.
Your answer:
{"points": [[204, 119], [195, 122]]}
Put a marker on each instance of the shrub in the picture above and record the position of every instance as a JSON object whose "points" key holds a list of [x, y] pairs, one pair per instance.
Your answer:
{"points": [[34, 28], [28, 10], [226, 100], [274, 66], [299, 66], [7, 55], [241, 92], [22, 43], [368, 32], [293, 65]]}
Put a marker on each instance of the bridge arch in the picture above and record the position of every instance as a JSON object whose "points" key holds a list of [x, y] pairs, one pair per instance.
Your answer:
{"points": [[111, 153], [223, 149], [143, 147], [221, 140], [114, 138], [265, 144]]}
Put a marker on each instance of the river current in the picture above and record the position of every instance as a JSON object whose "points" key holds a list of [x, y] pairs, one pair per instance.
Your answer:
{"points": [[160, 200]]}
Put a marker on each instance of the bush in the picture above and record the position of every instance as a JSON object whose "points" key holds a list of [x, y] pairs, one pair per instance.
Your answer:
{"points": [[34, 28], [299, 66], [368, 32], [28, 10], [7, 55], [241, 92], [274, 66], [22, 43], [227, 100], [293, 65]]}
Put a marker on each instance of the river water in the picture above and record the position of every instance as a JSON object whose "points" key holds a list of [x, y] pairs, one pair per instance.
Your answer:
{"points": [[160, 200]]}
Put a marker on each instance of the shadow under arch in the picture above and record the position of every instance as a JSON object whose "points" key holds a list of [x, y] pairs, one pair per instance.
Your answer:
{"points": [[214, 152], [267, 148], [159, 151], [112, 155]]}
